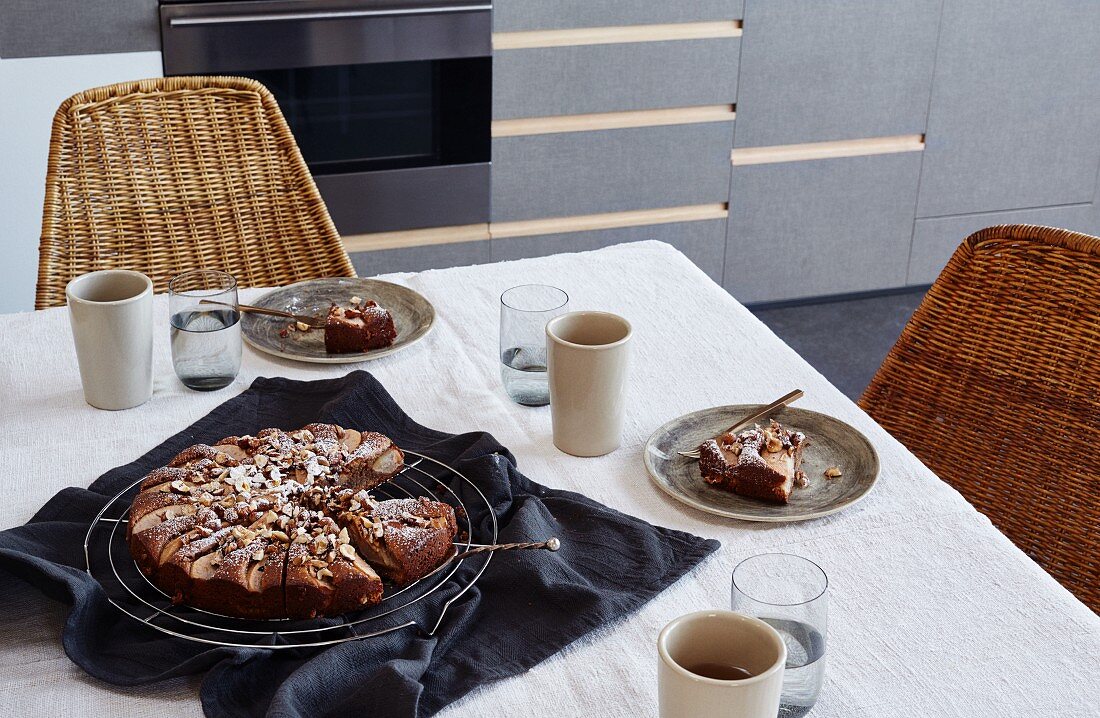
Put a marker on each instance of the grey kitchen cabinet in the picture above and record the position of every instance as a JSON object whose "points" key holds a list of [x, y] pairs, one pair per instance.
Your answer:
{"points": [[53, 28], [586, 79], [819, 70], [579, 173], [703, 242], [820, 227], [515, 15], [418, 259], [935, 239], [1014, 120]]}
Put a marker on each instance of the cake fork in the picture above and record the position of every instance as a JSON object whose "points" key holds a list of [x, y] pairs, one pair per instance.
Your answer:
{"points": [[313, 322], [781, 401]]}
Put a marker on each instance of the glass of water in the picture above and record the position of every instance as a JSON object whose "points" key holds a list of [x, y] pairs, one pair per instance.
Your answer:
{"points": [[791, 594], [206, 328], [524, 312]]}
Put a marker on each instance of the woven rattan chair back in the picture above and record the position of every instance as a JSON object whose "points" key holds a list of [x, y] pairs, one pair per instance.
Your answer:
{"points": [[180, 173], [994, 384]]}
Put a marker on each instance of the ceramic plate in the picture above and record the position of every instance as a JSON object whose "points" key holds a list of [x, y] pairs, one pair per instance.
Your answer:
{"points": [[413, 317], [832, 443]]}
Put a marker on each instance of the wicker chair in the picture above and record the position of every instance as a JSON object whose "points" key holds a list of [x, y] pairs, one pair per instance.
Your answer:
{"points": [[180, 173], [995, 385]]}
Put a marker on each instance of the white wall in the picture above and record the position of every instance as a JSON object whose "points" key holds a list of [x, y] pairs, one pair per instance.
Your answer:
{"points": [[30, 91]]}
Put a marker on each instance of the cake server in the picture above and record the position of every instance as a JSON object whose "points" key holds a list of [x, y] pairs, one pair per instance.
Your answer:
{"points": [[780, 402], [313, 322], [551, 544]]}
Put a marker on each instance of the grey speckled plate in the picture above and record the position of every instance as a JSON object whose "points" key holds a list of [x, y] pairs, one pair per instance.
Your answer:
{"points": [[413, 317], [832, 443]]}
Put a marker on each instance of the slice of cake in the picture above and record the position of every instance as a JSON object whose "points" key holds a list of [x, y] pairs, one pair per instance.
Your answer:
{"points": [[761, 463], [404, 539], [358, 328]]}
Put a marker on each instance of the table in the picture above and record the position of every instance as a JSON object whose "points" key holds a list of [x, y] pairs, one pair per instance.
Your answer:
{"points": [[933, 611]]}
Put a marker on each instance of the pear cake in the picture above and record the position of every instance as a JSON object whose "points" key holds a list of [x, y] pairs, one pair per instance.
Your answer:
{"points": [[763, 463], [283, 525]]}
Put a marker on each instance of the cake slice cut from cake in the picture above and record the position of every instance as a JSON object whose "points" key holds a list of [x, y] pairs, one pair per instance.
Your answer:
{"points": [[761, 463], [361, 327], [404, 539]]}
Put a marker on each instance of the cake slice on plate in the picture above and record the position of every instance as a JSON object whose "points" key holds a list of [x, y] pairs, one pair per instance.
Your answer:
{"points": [[760, 463], [361, 327]]}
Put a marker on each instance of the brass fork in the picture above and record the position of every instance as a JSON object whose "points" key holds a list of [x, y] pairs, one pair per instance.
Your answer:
{"points": [[312, 322], [782, 401]]}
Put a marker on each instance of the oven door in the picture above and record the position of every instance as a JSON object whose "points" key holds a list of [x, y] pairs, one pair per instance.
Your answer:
{"points": [[389, 101]]}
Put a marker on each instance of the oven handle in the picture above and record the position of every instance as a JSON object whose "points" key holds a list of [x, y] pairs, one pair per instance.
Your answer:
{"points": [[324, 15]]}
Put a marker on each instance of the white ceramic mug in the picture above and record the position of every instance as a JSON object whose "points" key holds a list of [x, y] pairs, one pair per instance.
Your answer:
{"points": [[725, 638], [587, 355], [111, 312]]}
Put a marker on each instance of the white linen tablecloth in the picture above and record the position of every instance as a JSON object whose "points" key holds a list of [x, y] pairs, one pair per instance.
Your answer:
{"points": [[933, 612]]}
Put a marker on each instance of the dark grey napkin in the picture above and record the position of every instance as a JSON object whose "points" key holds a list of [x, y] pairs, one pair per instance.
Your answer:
{"points": [[523, 609]]}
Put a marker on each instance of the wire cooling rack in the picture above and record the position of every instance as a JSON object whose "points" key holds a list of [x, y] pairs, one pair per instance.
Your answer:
{"points": [[422, 604]]}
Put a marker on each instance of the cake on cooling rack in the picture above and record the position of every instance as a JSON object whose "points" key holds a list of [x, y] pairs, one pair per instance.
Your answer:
{"points": [[358, 328], [761, 463], [273, 525]]}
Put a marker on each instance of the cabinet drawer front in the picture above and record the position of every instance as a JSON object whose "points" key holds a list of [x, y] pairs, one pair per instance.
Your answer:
{"points": [[419, 259], [702, 242], [816, 70], [820, 227], [579, 173], [1014, 120], [935, 240], [514, 15], [55, 28], [587, 79]]}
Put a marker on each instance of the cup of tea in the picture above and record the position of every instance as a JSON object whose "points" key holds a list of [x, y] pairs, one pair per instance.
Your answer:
{"points": [[111, 312], [719, 664], [587, 355]]}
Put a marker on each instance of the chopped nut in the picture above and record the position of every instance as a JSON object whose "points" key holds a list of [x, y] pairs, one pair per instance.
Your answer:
{"points": [[347, 551], [356, 300], [301, 326], [324, 573], [181, 487], [258, 555], [279, 535], [343, 537], [261, 460], [774, 444], [832, 472]]}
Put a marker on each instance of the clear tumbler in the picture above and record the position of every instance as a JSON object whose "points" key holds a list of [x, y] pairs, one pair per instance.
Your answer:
{"points": [[524, 312], [790, 593], [206, 329]]}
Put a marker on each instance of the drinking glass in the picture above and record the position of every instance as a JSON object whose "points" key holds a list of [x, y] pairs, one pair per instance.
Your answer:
{"points": [[524, 312], [206, 328], [790, 594]]}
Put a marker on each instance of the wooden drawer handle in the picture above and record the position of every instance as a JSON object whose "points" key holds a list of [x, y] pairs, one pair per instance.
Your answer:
{"points": [[529, 39], [826, 150], [612, 120]]}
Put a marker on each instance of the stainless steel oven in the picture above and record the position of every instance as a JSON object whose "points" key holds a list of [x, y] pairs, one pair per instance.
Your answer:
{"points": [[389, 100]]}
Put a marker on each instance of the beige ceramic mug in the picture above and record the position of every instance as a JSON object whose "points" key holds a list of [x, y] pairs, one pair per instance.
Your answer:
{"points": [[712, 642], [111, 312], [587, 354]]}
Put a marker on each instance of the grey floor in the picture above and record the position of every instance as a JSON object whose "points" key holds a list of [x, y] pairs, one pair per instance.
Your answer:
{"points": [[844, 340]]}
